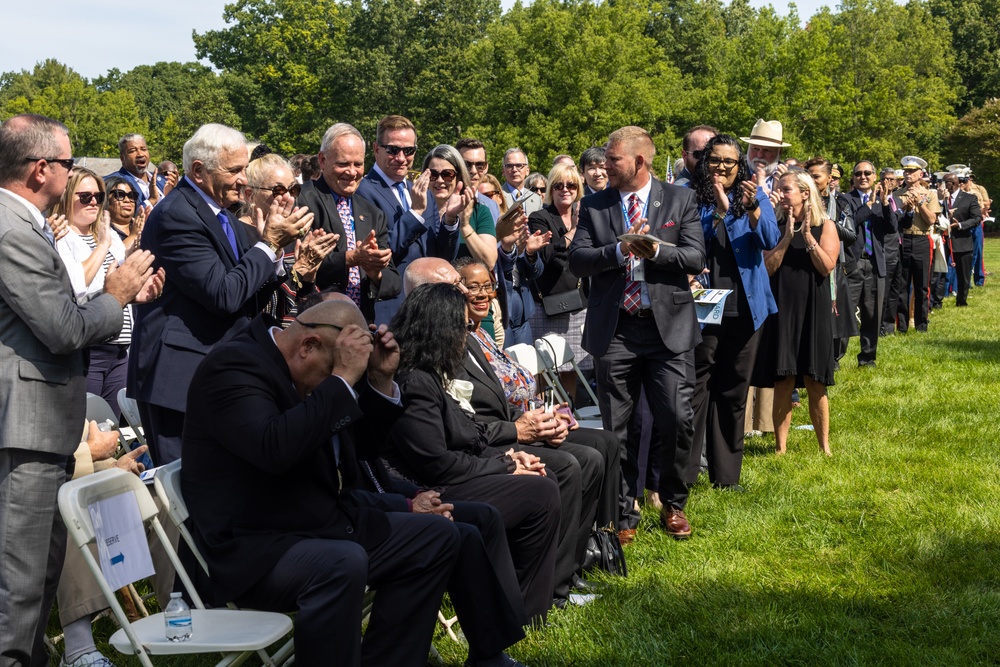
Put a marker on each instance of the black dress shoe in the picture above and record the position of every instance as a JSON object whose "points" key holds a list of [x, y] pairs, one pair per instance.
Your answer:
{"points": [[502, 660], [581, 585]]}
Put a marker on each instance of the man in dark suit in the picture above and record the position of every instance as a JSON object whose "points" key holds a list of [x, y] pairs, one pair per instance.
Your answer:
{"points": [[274, 431], [641, 324], [134, 154], [866, 274], [42, 374], [965, 214], [415, 229], [216, 278], [362, 262], [892, 284]]}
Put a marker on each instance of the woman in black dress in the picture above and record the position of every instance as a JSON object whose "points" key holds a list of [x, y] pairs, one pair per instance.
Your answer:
{"points": [[802, 332]]}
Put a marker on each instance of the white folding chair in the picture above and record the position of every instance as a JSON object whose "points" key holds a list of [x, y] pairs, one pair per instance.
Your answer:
{"points": [[524, 355], [553, 351], [236, 633], [130, 411], [100, 411]]}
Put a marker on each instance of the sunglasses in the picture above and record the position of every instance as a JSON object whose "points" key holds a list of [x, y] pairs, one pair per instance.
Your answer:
{"points": [[491, 193], [278, 190], [540, 189], [447, 175], [66, 162], [565, 186], [87, 197], [395, 150], [122, 195], [728, 162], [476, 166], [863, 173]]}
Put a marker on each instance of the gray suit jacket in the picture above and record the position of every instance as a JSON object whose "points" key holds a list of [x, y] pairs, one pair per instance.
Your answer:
{"points": [[532, 204], [43, 390]]}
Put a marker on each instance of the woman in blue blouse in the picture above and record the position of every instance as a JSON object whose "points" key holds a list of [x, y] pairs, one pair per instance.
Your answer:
{"points": [[739, 225]]}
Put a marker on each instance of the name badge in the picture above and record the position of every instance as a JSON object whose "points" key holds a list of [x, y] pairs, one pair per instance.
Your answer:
{"points": [[637, 268]]}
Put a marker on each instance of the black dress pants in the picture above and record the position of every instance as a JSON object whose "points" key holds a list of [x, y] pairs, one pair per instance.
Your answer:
{"points": [[723, 363], [867, 290], [529, 507], [324, 580], [963, 272], [915, 262], [892, 285]]}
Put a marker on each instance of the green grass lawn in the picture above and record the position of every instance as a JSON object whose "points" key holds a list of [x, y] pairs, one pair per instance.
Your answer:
{"points": [[886, 553]]}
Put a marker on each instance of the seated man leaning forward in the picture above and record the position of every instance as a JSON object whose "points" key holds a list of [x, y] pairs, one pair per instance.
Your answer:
{"points": [[273, 434]]}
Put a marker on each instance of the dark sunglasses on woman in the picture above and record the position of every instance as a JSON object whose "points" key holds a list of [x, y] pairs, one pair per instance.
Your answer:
{"points": [[565, 186], [122, 195], [448, 175], [278, 190], [87, 197]]}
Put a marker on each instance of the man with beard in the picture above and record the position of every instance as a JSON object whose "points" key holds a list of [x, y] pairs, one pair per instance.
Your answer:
{"points": [[764, 152]]}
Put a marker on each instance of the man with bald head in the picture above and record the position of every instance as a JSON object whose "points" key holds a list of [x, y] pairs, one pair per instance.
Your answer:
{"points": [[278, 521], [430, 270], [641, 326]]}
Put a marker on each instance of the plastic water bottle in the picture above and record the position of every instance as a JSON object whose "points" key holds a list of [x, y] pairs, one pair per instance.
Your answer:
{"points": [[177, 617]]}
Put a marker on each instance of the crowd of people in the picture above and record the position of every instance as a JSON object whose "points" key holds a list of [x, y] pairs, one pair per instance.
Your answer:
{"points": [[326, 351]]}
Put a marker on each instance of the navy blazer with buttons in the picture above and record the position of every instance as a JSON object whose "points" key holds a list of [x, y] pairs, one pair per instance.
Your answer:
{"points": [[968, 214], [208, 294]]}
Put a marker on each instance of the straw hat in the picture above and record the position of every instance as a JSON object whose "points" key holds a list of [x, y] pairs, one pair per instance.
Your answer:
{"points": [[766, 133]]}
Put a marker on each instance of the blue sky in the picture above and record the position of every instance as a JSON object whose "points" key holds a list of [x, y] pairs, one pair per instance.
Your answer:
{"points": [[93, 37]]}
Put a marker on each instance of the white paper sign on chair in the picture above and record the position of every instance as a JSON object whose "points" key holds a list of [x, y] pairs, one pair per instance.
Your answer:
{"points": [[122, 549]]}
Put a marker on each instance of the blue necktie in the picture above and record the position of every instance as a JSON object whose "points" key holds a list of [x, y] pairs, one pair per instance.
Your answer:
{"points": [[230, 234], [869, 250], [401, 191]]}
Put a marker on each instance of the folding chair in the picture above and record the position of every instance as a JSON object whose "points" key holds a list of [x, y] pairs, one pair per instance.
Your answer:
{"points": [[130, 411], [236, 633], [100, 411], [553, 351]]}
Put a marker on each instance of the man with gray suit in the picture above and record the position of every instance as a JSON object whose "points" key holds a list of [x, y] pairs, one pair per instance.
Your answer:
{"points": [[515, 170], [43, 332], [641, 326]]}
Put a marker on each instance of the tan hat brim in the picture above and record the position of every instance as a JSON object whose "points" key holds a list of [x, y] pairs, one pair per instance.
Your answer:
{"points": [[765, 141]]}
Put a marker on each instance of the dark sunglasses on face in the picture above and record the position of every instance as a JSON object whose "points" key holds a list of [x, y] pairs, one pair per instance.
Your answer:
{"points": [[863, 173], [87, 197], [395, 150], [122, 195], [565, 186], [447, 175], [476, 166], [540, 189], [66, 162], [278, 190], [491, 193]]}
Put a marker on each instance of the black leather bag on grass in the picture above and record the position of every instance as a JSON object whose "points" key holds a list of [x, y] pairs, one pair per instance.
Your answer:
{"points": [[604, 552]]}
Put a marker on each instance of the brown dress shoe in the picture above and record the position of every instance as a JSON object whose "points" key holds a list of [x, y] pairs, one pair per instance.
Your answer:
{"points": [[675, 523], [626, 535]]}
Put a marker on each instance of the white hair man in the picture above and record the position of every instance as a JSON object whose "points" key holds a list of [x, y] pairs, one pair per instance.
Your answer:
{"points": [[764, 151], [216, 278]]}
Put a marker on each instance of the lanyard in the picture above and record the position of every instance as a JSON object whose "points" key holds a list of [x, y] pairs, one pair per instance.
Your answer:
{"points": [[645, 207]]}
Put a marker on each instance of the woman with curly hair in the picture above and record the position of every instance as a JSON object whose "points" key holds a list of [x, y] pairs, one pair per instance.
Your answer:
{"points": [[739, 224]]}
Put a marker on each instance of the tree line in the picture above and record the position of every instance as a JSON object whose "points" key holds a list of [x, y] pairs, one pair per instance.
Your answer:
{"points": [[872, 80]]}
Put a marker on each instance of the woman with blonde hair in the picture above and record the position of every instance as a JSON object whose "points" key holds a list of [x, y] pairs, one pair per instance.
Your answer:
{"points": [[88, 250], [800, 337], [491, 188]]}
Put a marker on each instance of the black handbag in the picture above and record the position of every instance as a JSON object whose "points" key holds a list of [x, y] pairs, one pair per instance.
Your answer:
{"points": [[605, 552], [564, 302]]}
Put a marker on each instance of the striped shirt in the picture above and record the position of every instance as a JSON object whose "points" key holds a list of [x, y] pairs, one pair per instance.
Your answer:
{"points": [[125, 336]]}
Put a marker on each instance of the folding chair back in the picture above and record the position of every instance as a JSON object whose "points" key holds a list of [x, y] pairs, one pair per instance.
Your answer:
{"points": [[554, 351], [130, 411], [524, 355], [236, 633], [100, 411]]}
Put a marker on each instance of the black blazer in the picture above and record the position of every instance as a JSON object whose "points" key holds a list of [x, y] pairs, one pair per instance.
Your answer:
{"points": [[556, 277], [434, 442], [673, 217], [259, 471], [488, 398], [208, 295], [881, 223], [968, 214], [318, 196]]}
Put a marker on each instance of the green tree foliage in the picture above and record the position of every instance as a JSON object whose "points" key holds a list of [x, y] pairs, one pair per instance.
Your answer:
{"points": [[975, 39], [96, 119], [975, 141]]}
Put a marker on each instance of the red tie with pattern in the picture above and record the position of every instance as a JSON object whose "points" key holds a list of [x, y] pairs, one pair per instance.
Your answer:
{"points": [[633, 288]]}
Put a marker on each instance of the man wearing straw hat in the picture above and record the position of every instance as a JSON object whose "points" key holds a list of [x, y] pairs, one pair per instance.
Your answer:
{"points": [[764, 152]]}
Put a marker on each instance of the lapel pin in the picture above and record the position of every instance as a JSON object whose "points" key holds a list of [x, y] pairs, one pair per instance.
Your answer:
{"points": [[656, 204]]}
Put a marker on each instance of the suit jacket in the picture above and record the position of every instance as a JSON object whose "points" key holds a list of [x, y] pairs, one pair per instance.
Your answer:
{"points": [[409, 237], [488, 398], [969, 214], [208, 295], [434, 442], [673, 217], [881, 223], [43, 331], [532, 204], [556, 276], [320, 199], [260, 473]]}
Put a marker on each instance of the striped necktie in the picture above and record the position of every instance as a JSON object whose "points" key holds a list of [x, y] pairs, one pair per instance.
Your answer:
{"points": [[633, 288]]}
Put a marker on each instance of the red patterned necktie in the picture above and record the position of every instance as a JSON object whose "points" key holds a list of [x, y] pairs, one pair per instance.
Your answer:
{"points": [[633, 288], [354, 273]]}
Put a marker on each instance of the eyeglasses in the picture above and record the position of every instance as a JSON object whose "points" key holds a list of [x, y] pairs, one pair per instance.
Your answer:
{"points": [[476, 166], [447, 175], [565, 186], [122, 195], [515, 165], [87, 197], [540, 189], [66, 162], [278, 190], [476, 289], [858, 174], [728, 162], [395, 150]]}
